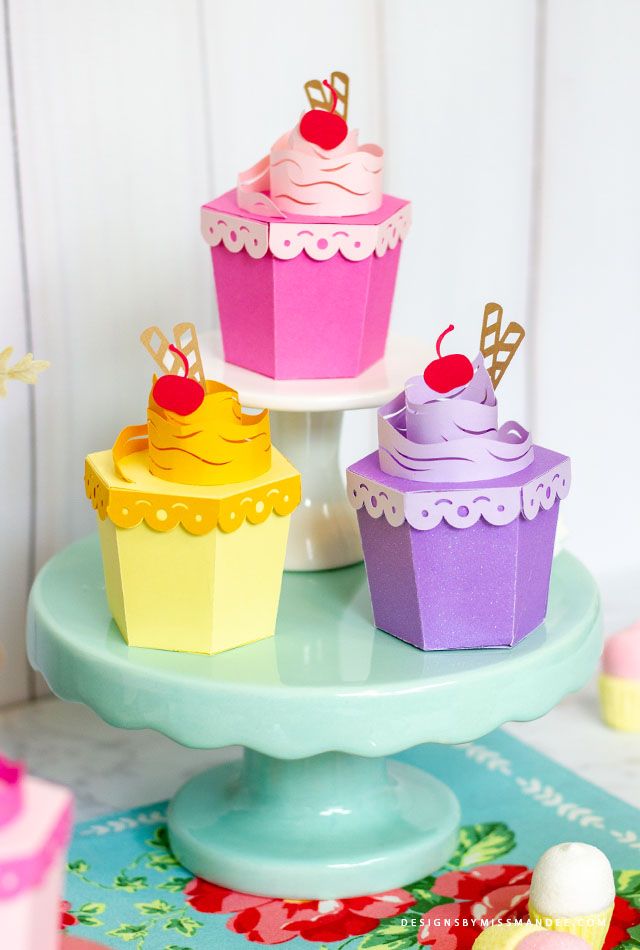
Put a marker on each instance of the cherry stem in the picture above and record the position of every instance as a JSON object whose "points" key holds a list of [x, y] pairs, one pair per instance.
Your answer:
{"points": [[174, 349], [441, 338], [333, 93]]}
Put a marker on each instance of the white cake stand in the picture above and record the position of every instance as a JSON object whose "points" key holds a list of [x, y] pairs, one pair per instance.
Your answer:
{"points": [[306, 423]]}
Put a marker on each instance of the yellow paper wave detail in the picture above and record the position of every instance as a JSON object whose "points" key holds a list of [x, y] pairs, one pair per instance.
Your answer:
{"points": [[217, 444]]}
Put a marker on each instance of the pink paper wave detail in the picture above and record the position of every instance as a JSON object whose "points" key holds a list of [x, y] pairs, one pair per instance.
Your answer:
{"points": [[300, 178]]}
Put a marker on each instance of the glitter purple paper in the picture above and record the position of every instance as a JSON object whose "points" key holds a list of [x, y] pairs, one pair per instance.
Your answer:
{"points": [[473, 585]]}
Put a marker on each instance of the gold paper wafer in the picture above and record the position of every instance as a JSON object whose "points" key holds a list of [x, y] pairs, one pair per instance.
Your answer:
{"points": [[500, 349], [157, 345], [509, 343], [490, 336], [340, 82], [319, 97], [186, 338]]}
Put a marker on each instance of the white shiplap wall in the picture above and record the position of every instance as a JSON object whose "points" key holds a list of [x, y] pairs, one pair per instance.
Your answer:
{"points": [[588, 313], [458, 128], [15, 418], [114, 161], [502, 122]]}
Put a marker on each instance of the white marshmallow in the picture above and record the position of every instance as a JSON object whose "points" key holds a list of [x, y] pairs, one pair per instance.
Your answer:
{"points": [[572, 880]]}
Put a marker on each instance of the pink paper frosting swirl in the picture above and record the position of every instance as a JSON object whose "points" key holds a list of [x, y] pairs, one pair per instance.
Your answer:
{"points": [[426, 436], [301, 178]]}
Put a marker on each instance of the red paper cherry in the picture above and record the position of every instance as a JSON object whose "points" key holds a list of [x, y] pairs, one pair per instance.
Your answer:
{"points": [[178, 394], [448, 372], [326, 129]]}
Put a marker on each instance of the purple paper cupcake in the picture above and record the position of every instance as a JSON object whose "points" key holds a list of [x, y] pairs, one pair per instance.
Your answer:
{"points": [[457, 514]]}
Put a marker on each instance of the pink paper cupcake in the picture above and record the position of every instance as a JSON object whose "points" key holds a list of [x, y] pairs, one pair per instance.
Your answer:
{"points": [[305, 251], [35, 824], [620, 680]]}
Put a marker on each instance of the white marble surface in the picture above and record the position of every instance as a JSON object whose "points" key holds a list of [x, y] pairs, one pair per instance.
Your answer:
{"points": [[111, 769]]}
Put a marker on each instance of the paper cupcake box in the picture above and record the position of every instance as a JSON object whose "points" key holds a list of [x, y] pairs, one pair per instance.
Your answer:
{"points": [[305, 251], [35, 825], [459, 567], [619, 682], [193, 515], [457, 515]]}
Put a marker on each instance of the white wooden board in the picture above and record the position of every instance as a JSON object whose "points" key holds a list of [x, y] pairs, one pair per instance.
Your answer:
{"points": [[586, 362], [15, 424], [131, 115]]}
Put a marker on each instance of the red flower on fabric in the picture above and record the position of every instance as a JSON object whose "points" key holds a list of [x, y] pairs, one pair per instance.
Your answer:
{"points": [[492, 892], [66, 919], [623, 919], [271, 920], [489, 893]]}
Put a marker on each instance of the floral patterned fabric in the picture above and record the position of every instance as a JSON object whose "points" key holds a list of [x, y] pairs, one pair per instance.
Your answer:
{"points": [[126, 889]]}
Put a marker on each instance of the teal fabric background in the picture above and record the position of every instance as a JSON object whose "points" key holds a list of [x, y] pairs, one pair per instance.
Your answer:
{"points": [[125, 889]]}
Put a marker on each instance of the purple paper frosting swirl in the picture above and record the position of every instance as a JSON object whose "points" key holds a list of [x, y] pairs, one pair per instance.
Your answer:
{"points": [[426, 436]]}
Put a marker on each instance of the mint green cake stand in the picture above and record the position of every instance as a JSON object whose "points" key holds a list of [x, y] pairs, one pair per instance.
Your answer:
{"points": [[314, 809]]}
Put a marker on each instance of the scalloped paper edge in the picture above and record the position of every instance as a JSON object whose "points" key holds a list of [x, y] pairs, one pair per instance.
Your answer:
{"points": [[285, 240]]}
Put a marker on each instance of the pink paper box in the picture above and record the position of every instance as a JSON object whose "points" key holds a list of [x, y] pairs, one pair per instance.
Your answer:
{"points": [[35, 824], [303, 297]]}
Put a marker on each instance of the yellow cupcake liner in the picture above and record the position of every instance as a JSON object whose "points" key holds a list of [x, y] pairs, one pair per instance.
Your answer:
{"points": [[591, 927], [620, 702]]}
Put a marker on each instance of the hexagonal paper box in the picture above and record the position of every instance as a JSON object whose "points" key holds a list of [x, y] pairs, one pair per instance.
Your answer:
{"points": [[190, 568], [304, 298], [459, 566]]}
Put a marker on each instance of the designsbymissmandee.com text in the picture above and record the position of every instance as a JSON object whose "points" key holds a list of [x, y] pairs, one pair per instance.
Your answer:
{"points": [[437, 922]]}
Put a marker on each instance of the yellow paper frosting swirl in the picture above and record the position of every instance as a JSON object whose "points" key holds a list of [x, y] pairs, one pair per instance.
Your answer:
{"points": [[217, 444]]}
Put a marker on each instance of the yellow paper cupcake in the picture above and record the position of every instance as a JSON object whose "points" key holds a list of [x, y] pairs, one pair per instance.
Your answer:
{"points": [[620, 680], [572, 890], [193, 514]]}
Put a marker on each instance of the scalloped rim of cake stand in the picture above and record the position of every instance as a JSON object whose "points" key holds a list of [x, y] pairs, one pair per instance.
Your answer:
{"points": [[256, 696], [369, 390]]}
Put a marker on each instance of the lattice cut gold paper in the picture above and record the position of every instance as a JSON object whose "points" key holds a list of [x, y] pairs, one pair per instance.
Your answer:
{"points": [[185, 338], [164, 507], [157, 345], [319, 97], [496, 347]]}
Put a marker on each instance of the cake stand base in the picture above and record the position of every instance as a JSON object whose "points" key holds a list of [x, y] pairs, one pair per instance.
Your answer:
{"points": [[317, 811], [332, 825], [306, 420]]}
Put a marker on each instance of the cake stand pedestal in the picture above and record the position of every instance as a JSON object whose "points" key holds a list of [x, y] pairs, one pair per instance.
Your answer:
{"points": [[314, 810], [306, 422]]}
